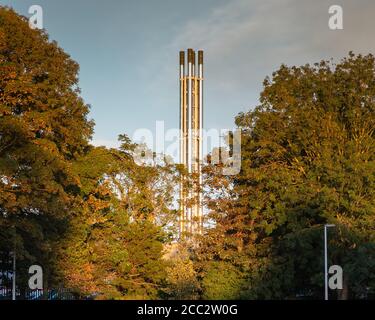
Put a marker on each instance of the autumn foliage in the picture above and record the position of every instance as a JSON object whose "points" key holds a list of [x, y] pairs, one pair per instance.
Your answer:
{"points": [[105, 227]]}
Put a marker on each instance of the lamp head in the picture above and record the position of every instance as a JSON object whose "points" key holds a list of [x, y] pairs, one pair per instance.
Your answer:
{"points": [[330, 225]]}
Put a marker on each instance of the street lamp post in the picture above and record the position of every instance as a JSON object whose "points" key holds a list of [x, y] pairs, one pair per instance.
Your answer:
{"points": [[326, 226], [14, 276]]}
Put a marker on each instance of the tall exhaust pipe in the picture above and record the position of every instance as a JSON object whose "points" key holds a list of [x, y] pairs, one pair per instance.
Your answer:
{"points": [[191, 125], [183, 133], [200, 140]]}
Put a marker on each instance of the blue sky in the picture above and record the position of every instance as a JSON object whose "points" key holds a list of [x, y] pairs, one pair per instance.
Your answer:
{"points": [[128, 51]]}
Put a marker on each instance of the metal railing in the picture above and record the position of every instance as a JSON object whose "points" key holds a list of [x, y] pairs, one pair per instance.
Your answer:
{"points": [[28, 294]]}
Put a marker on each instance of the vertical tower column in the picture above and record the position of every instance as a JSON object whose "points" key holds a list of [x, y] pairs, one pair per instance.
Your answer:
{"points": [[190, 81], [199, 140], [183, 135], [191, 123]]}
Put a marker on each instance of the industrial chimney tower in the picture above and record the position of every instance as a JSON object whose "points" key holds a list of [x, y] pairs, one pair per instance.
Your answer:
{"points": [[191, 124]]}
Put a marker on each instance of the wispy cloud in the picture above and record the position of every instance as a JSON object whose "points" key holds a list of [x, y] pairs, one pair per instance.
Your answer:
{"points": [[246, 40]]}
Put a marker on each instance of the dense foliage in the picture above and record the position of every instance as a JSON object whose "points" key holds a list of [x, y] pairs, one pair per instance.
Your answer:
{"points": [[43, 128], [308, 158], [115, 244], [104, 226]]}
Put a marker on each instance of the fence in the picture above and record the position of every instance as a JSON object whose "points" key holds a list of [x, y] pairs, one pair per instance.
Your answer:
{"points": [[28, 294]]}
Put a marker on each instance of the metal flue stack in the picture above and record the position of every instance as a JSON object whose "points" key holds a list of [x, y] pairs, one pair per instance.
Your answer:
{"points": [[191, 124]]}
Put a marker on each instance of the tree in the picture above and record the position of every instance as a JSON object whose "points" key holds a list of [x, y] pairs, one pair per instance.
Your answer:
{"points": [[43, 127], [95, 220], [116, 241], [181, 280], [308, 158]]}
